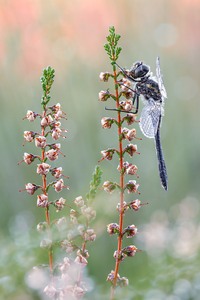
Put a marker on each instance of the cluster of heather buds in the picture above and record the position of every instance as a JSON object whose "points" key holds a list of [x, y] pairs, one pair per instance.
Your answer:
{"points": [[122, 97], [50, 126], [65, 231]]}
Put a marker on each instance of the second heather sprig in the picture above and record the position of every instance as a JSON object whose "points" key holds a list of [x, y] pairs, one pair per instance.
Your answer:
{"points": [[125, 168]]}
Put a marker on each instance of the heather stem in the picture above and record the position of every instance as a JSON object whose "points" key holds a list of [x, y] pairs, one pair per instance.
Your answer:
{"points": [[121, 215], [44, 187]]}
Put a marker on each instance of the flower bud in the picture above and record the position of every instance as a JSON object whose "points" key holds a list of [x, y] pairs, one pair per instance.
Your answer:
{"points": [[130, 231], [56, 133], [132, 186], [46, 121], [79, 201], [56, 172], [113, 228], [60, 204], [131, 149], [109, 186], [124, 208], [81, 260], [40, 142], [111, 276], [126, 105], [131, 134], [107, 154], [131, 169], [135, 204], [43, 168], [28, 158], [125, 85], [52, 154], [30, 115], [104, 76], [129, 250], [118, 255], [130, 119], [31, 188], [42, 226], [107, 122], [104, 95], [90, 235], [59, 185], [29, 136], [42, 200], [55, 108]]}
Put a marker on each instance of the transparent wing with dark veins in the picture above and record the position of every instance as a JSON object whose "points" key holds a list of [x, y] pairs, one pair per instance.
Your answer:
{"points": [[160, 80], [149, 119]]}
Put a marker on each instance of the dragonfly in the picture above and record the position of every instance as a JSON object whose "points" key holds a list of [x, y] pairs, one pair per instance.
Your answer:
{"points": [[153, 93]]}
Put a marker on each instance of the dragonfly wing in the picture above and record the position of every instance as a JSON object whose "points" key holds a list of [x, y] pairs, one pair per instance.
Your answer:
{"points": [[149, 119], [159, 79]]}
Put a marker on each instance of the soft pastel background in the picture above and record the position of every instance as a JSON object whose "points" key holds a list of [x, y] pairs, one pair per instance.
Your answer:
{"points": [[69, 36]]}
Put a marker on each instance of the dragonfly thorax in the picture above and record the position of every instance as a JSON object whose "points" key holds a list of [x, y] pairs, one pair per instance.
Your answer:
{"points": [[149, 89]]}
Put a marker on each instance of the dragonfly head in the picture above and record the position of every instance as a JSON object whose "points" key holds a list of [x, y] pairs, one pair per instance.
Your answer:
{"points": [[138, 70]]}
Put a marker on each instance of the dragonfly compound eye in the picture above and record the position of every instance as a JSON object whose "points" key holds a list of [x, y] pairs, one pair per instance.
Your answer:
{"points": [[141, 70]]}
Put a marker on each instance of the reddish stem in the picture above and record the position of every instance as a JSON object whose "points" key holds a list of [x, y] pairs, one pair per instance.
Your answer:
{"points": [[121, 215], [44, 187]]}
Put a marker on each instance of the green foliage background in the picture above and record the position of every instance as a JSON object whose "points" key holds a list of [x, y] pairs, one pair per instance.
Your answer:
{"points": [[70, 37]]}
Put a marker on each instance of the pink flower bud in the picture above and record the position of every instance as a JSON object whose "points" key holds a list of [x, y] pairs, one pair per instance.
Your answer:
{"points": [[135, 204], [46, 121], [81, 260], [130, 250], [131, 169], [132, 186], [31, 188], [113, 228], [130, 231], [104, 76], [79, 201], [30, 115], [57, 172], [107, 122], [89, 235], [28, 158], [130, 119], [104, 95], [52, 154], [59, 185], [56, 133], [131, 149], [60, 204], [109, 186], [40, 142], [42, 200], [55, 108], [126, 105], [29, 136], [43, 168], [118, 255], [131, 134], [107, 154], [111, 276]]}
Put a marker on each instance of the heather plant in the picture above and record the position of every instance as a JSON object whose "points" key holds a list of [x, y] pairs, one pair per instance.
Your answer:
{"points": [[122, 98], [64, 238]]}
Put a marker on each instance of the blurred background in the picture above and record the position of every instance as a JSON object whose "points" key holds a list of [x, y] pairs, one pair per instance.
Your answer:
{"points": [[69, 36]]}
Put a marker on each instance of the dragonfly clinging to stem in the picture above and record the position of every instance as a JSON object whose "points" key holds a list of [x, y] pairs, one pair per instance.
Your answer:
{"points": [[154, 94]]}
